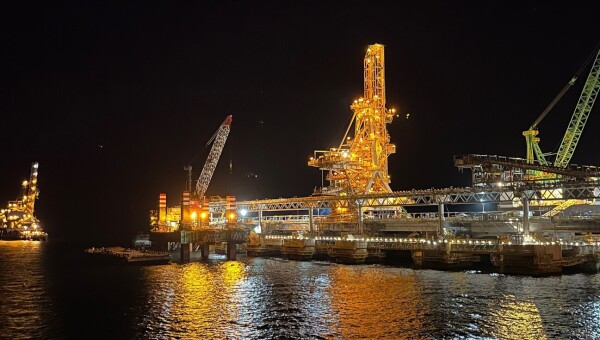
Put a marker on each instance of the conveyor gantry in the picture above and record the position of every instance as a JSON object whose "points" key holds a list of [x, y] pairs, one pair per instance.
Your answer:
{"points": [[493, 169]]}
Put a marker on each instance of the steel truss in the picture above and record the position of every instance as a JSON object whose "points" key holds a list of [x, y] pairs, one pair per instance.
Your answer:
{"points": [[548, 192], [493, 169]]}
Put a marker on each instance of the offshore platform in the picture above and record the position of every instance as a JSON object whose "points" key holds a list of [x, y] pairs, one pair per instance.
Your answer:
{"points": [[18, 219], [542, 215]]}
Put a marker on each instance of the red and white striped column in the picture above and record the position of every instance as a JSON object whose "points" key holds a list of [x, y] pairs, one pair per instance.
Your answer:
{"points": [[162, 208], [186, 218], [230, 210]]}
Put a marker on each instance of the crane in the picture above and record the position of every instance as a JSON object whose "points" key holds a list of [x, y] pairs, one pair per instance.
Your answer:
{"points": [[218, 140], [576, 124]]}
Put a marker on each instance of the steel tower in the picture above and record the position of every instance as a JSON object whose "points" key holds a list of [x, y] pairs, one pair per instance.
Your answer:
{"points": [[360, 164]]}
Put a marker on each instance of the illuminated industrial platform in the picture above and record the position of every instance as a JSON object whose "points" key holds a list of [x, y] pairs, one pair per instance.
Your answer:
{"points": [[542, 217]]}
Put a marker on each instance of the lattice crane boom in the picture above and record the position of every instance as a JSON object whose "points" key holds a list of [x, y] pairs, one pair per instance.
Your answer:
{"points": [[218, 140], [580, 116], [576, 125]]}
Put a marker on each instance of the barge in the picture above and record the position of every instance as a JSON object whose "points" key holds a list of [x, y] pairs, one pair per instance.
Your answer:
{"points": [[127, 255]]}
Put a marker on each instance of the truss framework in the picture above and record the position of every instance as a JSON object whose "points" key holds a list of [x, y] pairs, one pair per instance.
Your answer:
{"points": [[360, 164], [493, 169], [584, 190]]}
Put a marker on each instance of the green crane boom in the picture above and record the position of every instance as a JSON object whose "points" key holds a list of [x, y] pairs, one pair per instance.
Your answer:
{"points": [[580, 116], [577, 123]]}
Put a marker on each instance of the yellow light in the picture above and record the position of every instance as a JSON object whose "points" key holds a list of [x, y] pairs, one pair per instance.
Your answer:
{"points": [[194, 215], [203, 215], [232, 216]]}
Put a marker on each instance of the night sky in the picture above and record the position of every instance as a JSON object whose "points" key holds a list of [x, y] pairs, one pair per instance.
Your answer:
{"points": [[113, 98]]}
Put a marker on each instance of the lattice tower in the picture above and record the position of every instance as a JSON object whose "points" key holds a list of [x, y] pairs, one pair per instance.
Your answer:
{"points": [[360, 164], [31, 190]]}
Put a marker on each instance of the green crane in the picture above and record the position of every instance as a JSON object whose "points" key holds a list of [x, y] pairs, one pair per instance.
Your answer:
{"points": [[577, 123]]}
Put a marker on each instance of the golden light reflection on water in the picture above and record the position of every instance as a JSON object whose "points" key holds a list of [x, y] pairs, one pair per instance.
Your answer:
{"points": [[274, 298], [232, 273], [195, 295], [31, 245], [367, 299], [514, 319], [24, 310], [45, 291], [198, 297]]}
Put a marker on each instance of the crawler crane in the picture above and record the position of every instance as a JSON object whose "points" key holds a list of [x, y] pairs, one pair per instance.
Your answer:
{"points": [[570, 138], [576, 125], [218, 140], [537, 168], [195, 208]]}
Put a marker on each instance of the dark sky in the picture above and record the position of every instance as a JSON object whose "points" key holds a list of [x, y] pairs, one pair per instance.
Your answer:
{"points": [[113, 98]]}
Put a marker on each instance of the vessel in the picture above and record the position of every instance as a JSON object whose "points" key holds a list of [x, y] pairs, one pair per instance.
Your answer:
{"points": [[128, 255], [18, 219], [142, 241]]}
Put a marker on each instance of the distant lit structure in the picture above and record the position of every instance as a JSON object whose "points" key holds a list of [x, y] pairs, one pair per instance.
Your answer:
{"points": [[18, 219]]}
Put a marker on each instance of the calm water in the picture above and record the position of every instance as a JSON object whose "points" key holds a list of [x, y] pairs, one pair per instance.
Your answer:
{"points": [[47, 290]]}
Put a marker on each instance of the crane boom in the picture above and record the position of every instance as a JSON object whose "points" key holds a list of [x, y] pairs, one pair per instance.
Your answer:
{"points": [[218, 139], [553, 103], [577, 123], [580, 116]]}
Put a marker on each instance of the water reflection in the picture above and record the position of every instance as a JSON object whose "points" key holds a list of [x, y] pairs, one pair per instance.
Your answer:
{"points": [[22, 296], [274, 298], [514, 319], [46, 292], [371, 301], [195, 298], [278, 298]]}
